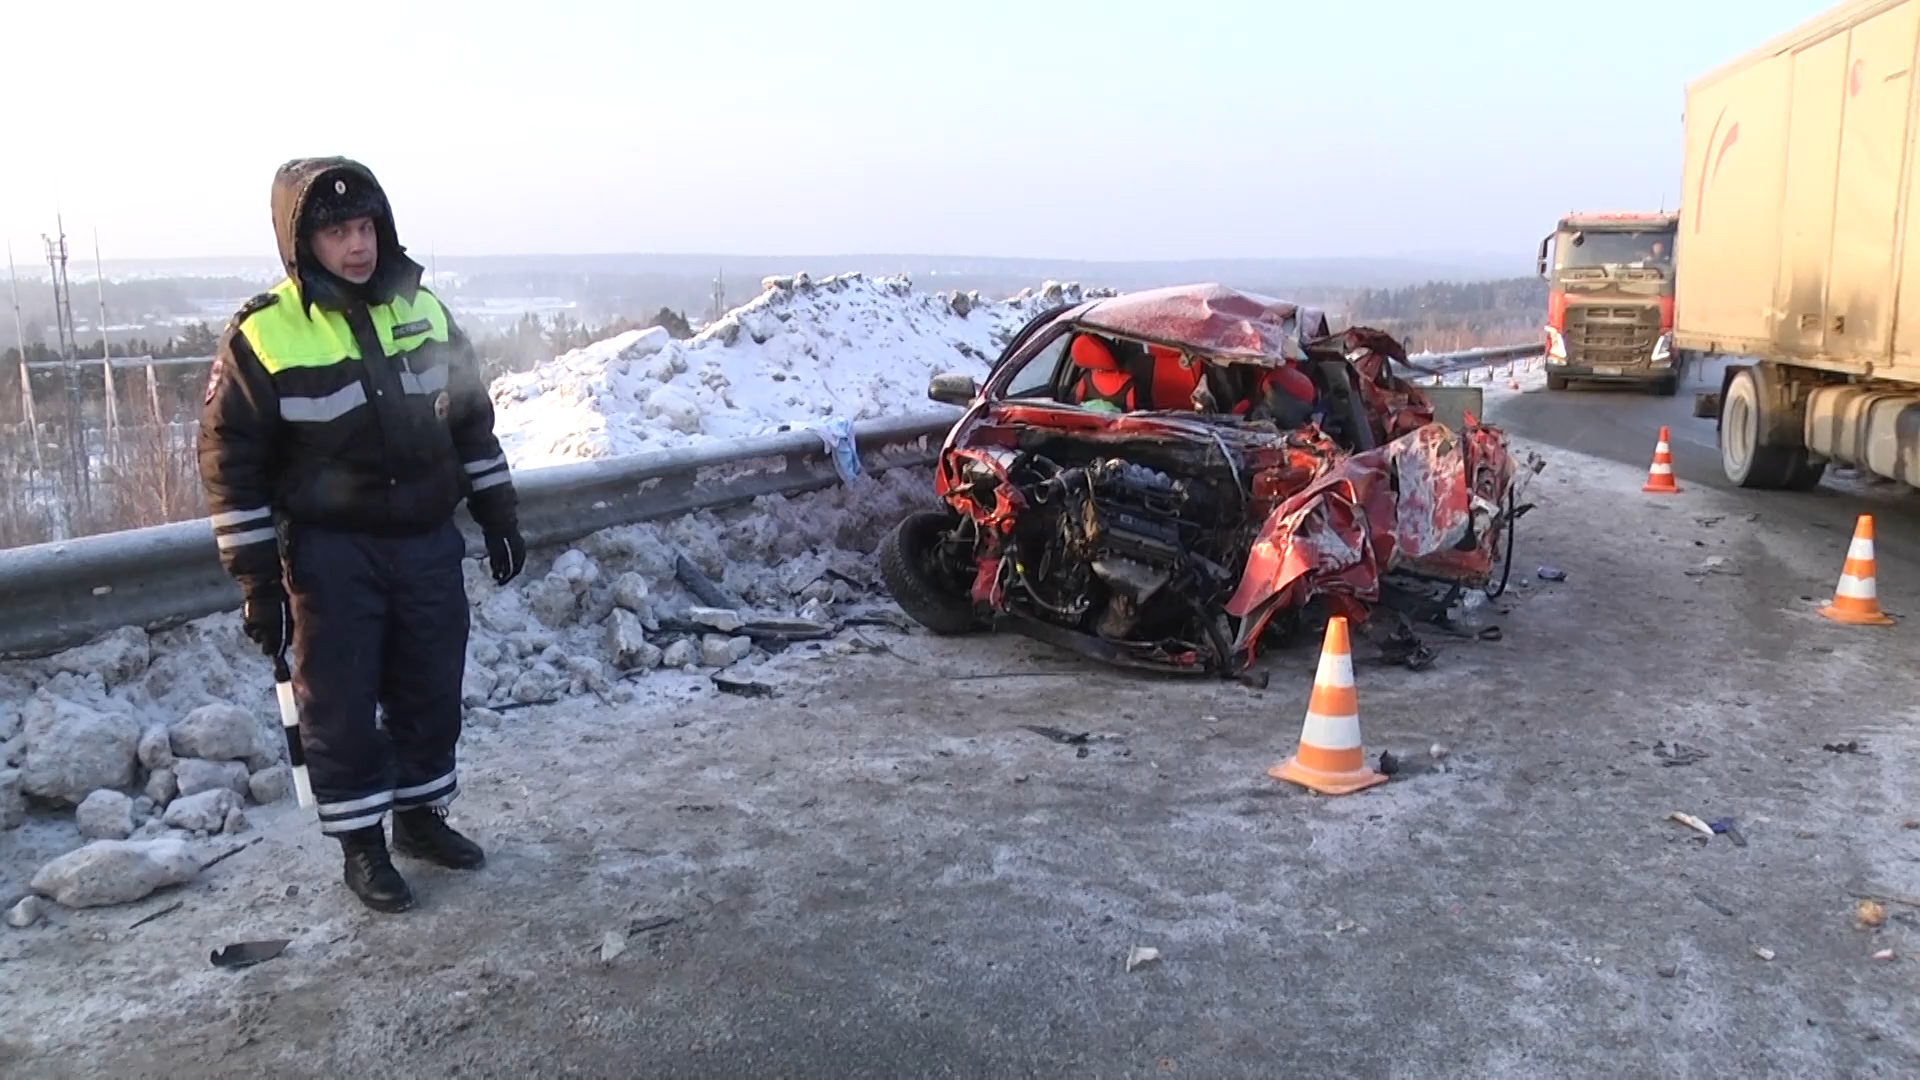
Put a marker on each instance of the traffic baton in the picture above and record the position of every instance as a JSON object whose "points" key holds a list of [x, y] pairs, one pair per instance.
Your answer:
{"points": [[290, 723]]}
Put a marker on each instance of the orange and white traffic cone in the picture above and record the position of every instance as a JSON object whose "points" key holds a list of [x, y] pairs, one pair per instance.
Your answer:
{"points": [[1330, 759], [1857, 598], [1660, 476]]}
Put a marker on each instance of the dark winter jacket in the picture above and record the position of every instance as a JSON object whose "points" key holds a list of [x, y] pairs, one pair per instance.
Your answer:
{"points": [[356, 408]]}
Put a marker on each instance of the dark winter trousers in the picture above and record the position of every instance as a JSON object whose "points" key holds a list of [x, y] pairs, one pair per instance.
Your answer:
{"points": [[377, 621]]}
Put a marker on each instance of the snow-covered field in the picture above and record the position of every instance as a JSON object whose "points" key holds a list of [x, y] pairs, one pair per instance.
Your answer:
{"points": [[847, 347]]}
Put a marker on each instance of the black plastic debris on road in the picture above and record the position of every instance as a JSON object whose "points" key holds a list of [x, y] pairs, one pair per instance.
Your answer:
{"points": [[1552, 573], [734, 684], [1065, 738], [1678, 753], [1851, 746], [248, 953]]}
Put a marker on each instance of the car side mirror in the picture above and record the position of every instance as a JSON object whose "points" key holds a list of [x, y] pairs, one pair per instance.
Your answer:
{"points": [[953, 388]]}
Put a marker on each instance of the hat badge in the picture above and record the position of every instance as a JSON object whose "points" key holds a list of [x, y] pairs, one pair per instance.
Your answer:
{"points": [[339, 187]]}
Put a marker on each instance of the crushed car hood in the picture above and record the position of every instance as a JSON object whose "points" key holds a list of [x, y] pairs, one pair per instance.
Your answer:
{"points": [[1424, 502]]}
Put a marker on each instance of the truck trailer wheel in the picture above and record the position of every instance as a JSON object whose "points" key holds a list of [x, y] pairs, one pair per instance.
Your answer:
{"points": [[1747, 415]]}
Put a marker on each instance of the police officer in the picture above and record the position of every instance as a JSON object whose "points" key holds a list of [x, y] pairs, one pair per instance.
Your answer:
{"points": [[345, 420]]}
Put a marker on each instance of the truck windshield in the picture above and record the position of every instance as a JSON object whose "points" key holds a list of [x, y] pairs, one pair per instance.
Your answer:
{"points": [[1652, 249]]}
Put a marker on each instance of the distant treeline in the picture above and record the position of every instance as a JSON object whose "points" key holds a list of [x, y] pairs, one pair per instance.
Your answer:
{"points": [[1445, 315], [194, 341]]}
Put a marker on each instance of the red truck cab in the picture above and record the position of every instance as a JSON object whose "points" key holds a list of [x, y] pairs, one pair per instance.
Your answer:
{"points": [[1610, 304]]}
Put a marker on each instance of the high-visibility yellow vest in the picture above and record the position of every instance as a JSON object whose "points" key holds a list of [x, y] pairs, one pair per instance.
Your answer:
{"points": [[287, 334]]}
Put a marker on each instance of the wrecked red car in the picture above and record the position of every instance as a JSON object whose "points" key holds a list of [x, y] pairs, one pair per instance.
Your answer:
{"points": [[1162, 479]]}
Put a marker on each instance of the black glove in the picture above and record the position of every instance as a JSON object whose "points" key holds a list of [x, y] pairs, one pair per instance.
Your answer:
{"points": [[506, 553], [267, 618]]}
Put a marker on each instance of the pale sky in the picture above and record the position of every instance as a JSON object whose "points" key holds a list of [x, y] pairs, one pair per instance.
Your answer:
{"points": [[1046, 128]]}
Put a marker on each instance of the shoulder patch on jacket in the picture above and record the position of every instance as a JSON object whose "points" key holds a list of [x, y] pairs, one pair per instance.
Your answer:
{"points": [[213, 378], [259, 303]]}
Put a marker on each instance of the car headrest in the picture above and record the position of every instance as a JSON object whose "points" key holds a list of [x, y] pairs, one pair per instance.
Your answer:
{"points": [[1091, 353]]}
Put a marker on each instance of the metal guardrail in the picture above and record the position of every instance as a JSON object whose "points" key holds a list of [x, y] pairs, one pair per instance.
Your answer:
{"points": [[1466, 359], [58, 595]]}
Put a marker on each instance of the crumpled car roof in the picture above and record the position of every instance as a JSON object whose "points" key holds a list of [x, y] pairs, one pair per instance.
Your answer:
{"points": [[1211, 319]]}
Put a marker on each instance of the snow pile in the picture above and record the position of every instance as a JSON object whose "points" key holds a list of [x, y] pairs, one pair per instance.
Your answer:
{"points": [[140, 743], [846, 347]]}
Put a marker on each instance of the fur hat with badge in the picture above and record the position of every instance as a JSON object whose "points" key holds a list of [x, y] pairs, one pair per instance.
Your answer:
{"points": [[339, 197]]}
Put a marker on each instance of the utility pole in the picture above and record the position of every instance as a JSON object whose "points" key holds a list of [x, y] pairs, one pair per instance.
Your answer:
{"points": [[106, 354], [20, 337], [79, 455]]}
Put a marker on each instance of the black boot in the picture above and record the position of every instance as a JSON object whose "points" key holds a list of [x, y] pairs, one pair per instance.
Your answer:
{"points": [[370, 873], [423, 833]]}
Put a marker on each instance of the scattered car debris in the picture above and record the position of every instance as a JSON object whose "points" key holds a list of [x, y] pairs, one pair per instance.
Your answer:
{"points": [[1438, 752], [1714, 564], [1710, 522], [1141, 955], [162, 913], [248, 953], [1869, 915], [1389, 765], [649, 925], [1763, 953], [1851, 746], [1490, 633], [1552, 573], [1883, 954], [1692, 822], [1068, 738], [1720, 906], [1345, 925], [1678, 753], [702, 586], [510, 706], [1668, 971], [1730, 829], [1015, 675], [612, 944], [886, 619], [229, 853], [740, 687]]}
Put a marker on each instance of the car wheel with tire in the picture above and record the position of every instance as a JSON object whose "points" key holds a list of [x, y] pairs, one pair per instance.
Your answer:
{"points": [[921, 574]]}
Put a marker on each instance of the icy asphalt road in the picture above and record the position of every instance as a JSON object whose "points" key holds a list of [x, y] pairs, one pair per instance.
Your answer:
{"points": [[880, 873], [1622, 423]]}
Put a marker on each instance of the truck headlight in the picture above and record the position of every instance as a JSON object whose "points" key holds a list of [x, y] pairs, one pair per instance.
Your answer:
{"points": [[1663, 348], [1556, 345]]}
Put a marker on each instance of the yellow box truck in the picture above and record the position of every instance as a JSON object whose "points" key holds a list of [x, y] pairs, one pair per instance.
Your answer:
{"points": [[1798, 254]]}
